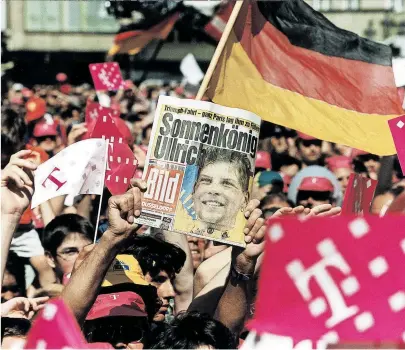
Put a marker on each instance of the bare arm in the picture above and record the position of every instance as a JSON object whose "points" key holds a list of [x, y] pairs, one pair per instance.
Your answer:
{"points": [[183, 282], [17, 187], [85, 282]]}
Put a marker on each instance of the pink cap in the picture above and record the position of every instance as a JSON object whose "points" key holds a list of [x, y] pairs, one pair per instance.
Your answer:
{"points": [[358, 152], [316, 184], [263, 160], [117, 304], [338, 162], [45, 127], [61, 77]]}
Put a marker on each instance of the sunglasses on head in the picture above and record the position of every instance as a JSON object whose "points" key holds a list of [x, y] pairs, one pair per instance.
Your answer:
{"points": [[44, 138], [308, 143], [315, 195]]}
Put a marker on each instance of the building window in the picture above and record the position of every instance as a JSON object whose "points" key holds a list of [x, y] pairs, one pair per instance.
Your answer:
{"points": [[68, 16]]}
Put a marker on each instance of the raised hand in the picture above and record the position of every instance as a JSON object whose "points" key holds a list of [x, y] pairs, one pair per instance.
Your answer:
{"points": [[22, 307], [76, 132], [244, 260], [17, 184]]}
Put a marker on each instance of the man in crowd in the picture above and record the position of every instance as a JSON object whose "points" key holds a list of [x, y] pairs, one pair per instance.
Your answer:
{"points": [[314, 191], [309, 150], [342, 167]]}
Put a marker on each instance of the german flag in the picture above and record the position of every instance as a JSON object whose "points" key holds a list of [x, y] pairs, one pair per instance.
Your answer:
{"points": [[132, 39], [287, 63]]}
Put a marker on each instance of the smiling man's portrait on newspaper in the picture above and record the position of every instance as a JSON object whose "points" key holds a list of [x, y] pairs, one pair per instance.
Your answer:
{"points": [[199, 169]]}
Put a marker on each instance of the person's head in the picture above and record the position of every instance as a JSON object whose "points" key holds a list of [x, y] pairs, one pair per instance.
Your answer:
{"points": [[278, 139], [263, 161], [272, 181], [64, 238], [146, 132], [45, 133], [271, 203], [314, 191], [159, 261], [14, 332], [309, 148], [342, 167], [371, 163], [222, 187], [118, 316], [13, 131], [14, 278], [192, 330]]}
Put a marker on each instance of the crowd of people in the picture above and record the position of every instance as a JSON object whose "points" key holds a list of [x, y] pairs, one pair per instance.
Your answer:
{"points": [[139, 287]]}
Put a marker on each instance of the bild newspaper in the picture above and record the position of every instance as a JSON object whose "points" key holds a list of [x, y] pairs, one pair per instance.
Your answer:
{"points": [[199, 169]]}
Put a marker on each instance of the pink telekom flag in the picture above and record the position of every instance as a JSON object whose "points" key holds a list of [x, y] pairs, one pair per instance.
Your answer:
{"points": [[121, 162], [397, 127], [95, 110], [106, 76], [331, 280], [77, 169], [56, 328], [359, 195]]}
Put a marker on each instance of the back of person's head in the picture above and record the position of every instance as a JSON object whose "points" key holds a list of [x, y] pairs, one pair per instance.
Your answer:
{"points": [[13, 129], [15, 268], [191, 330], [13, 328], [63, 225], [155, 255]]}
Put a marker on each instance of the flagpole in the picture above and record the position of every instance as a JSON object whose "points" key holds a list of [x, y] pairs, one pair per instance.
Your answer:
{"points": [[219, 49], [102, 192]]}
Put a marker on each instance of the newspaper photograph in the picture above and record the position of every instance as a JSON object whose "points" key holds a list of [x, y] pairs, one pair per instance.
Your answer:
{"points": [[199, 169]]}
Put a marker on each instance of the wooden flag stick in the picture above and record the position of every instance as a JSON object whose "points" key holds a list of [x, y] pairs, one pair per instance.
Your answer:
{"points": [[102, 191], [219, 49]]}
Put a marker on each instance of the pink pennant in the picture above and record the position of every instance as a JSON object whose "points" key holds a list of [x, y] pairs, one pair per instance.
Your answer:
{"points": [[359, 195], [333, 280], [121, 163], [106, 76], [397, 127], [95, 110], [55, 328]]}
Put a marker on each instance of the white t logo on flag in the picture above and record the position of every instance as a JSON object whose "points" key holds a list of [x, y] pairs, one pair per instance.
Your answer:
{"points": [[335, 299]]}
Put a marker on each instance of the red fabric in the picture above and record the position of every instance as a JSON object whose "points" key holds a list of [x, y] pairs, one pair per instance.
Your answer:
{"points": [[359, 195], [216, 26], [121, 163], [263, 160], [358, 292], [66, 89], [315, 183], [95, 110], [106, 76], [117, 304], [337, 81], [55, 328], [338, 162], [397, 127]]}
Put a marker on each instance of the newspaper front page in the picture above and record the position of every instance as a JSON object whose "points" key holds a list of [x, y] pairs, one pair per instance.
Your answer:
{"points": [[199, 169]]}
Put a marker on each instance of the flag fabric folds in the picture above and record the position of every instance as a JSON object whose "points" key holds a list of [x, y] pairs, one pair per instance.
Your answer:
{"points": [[78, 169], [132, 39], [287, 63]]}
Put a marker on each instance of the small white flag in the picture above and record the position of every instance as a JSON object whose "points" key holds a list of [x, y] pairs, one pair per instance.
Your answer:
{"points": [[78, 169], [191, 70]]}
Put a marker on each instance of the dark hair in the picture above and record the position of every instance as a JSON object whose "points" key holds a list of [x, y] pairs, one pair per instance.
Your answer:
{"points": [[14, 327], [212, 155], [15, 266], [274, 196], [63, 225], [191, 330], [155, 255], [13, 129], [145, 129]]}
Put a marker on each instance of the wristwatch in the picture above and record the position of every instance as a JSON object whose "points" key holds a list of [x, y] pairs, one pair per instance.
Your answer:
{"points": [[239, 276]]}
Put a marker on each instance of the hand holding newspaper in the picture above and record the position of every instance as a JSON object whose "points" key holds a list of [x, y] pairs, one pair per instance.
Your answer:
{"points": [[199, 169]]}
